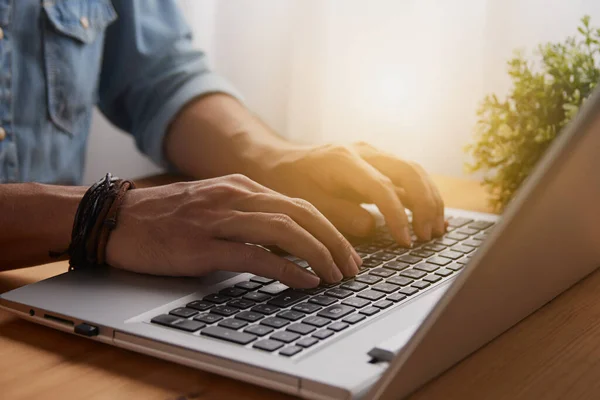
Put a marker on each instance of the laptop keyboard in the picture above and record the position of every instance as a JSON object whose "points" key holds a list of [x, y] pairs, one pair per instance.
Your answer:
{"points": [[271, 317]]}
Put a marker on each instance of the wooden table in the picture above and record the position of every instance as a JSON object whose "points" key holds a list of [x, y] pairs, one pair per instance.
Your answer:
{"points": [[553, 354]]}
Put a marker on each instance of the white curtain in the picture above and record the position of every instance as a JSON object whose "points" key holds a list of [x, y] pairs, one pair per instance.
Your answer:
{"points": [[405, 75]]}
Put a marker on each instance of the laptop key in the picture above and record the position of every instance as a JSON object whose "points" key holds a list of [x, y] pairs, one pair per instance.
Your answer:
{"points": [[307, 342], [462, 249], [165, 319], [248, 285], [354, 286], [444, 272], [257, 297], [268, 345], [274, 288], [422, 253], [261, 280], [468, 231], [315, 290], [409, 259], [382, 272], [463, 261], [183, 312], [369, 311], [301, 329], [446, 242], [259, 330], [434, 247], [338, 326], [383, 304], [249, 316], [400, 280], [371, 263], [314, 320], [457, 222], [266, 309], [290, 351], [413, 273], [441, 261], [306, 308], [384, 256], [200, 305], [339, 293], [336, 311], [453, 255], [225, 311], [455, 267], [233, 323], [432, 278], [288, 298], [371, 295], [216, 298], [208, 318], [323, 334], [369, 279], [472, 243], [356, 302], [409, 291], [420, 284], [456, 236], [323, 300], [396, 297], [481, 225], [275, 322], [188, 325], [285, 336], [426, 267], [291, 315], [241, 303], [386, 287], [354, 318], [233, 292], [396, 265], [228, 335]]}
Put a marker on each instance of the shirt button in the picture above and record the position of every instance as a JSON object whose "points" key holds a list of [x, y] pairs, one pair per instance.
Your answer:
{"points": [[2, 134], [84, 22]]}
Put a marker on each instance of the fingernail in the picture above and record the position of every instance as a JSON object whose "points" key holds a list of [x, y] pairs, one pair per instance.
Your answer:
{"points": [[427, 231], [353, 267], [309, 280], [337, 275], [357, 259], [440, 225], [406, 236], [361, 225]]}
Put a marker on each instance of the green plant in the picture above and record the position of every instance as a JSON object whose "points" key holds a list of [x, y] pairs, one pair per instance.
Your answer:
{"points": [[512, 134]]}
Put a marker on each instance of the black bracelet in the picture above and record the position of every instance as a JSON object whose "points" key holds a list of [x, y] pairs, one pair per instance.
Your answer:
{"points": [[88, 222]]}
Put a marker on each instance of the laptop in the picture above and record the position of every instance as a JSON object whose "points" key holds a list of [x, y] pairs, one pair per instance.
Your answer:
{"points": [[408, 316]]}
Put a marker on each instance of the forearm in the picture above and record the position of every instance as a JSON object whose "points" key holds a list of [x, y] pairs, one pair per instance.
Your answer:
{"points": [[34, 219], [216, 135]]}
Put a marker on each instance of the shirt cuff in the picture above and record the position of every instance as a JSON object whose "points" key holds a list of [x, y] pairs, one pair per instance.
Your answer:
{"points": [[157, 128]]}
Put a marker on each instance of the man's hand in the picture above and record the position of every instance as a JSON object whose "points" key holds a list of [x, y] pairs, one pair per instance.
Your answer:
{"points": [[337, 179], [193, 228]]}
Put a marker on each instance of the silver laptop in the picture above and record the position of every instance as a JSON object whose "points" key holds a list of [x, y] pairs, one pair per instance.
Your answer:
{"points": [[409, 315]]}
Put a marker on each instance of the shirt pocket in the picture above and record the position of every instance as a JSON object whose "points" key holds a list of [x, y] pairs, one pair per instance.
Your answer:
{"points": [[73, 47]]}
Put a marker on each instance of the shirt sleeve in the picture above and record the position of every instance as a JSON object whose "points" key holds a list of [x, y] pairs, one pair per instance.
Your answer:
{"points": [[150, 70]]}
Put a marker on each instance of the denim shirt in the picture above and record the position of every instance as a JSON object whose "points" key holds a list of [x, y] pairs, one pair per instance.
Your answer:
{"points": [[60, 58]]}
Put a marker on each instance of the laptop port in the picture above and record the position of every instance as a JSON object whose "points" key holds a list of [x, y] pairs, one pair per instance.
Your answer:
{"points": [[58, 319]]}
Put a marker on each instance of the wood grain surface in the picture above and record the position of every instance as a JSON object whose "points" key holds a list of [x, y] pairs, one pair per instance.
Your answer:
{"points": [[553, 354]]}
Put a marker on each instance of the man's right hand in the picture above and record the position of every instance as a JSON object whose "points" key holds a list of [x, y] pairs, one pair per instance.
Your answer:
{"points": [[193, 228]]}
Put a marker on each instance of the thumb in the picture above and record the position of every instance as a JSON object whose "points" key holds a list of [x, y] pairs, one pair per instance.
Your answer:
{"points": [[348, 217]]}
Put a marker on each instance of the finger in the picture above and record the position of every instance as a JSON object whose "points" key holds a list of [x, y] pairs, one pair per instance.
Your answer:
{"points": [[362, 177], [349, 217], [308, 217], [279, 230], [239, 257], [416, 183]]}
